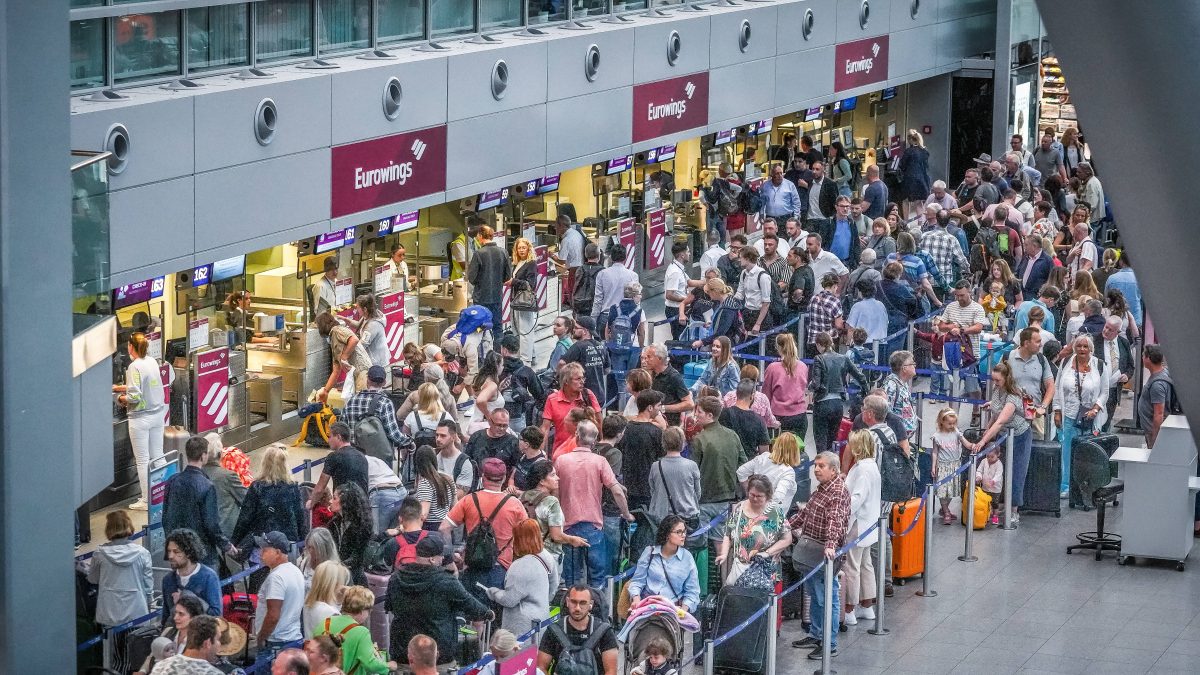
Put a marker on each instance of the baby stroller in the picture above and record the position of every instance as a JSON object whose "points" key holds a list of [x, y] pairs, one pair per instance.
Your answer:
{"points": [[648, 627]]}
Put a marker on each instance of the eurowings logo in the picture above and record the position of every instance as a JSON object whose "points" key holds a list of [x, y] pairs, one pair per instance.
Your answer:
{"points": [[689, 89], [874, 49], [418, 146]]}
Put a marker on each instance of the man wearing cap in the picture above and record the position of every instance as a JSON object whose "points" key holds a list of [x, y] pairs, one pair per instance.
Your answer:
{"points": [[280, 599], [499, 508], [425, 599], [373, 402], [590, 353]]}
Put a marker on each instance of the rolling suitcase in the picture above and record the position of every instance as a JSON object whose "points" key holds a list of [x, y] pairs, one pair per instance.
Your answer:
{"points": [[380, 621], [1043, 480], [924, 471], [908, 548], [747, 653]]}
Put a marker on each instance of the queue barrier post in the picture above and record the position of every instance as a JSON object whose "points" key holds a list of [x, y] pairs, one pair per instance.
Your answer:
{"points": [[107, 647], [800, 341], [930, 495], [880, 574], [611, 591], [908, 339], [968, 513], [710, 654], [762, 352], [772, 634], [827, 627], [1008, 461], [307, 470]]}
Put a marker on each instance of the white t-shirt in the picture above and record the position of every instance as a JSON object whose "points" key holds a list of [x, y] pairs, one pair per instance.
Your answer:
{"points": [[825, 263], [399, 274], [570, 247], [285, 583], [324, 298], [314, 617], [427, 423], [752, 294], [710, 259], [379, 474], [466, 477], [1087, 251], [676, 281]]}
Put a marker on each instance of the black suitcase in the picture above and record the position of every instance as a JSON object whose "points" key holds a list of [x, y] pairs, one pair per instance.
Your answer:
{"points": [[791, 606], [748, 652], [1043, 480]]}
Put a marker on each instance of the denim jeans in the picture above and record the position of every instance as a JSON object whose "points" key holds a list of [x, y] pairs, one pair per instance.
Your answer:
{"points": [[493, 578], [816, 588], [594, 558], [622, 360], [827, 417], [266, 655], [612, 540], [1068, 434], [1022, 448], [717, 222], [385, 503]]}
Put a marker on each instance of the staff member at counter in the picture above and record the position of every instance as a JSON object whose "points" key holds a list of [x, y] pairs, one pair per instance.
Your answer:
{"points": [[238, 318], [398, 268], [346, 351], [142, 396], [323, 296]]}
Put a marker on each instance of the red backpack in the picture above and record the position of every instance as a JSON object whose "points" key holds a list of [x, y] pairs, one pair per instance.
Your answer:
{"points": [[407, 552]]}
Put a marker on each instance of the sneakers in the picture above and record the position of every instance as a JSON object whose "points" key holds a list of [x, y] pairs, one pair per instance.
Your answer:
{"points": [[819, 653], [1064, 494], [865, 613], [888, 591], [1016, 519], [806, 642], [849, 619], [995, 519], [139, 505]]}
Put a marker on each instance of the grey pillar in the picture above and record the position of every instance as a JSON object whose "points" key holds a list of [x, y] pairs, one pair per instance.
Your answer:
{"points": [[36, 439], [1002, 98]]}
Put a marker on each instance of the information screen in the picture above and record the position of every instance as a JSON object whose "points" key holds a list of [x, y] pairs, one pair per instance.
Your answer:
{"points": [[229, 268]]}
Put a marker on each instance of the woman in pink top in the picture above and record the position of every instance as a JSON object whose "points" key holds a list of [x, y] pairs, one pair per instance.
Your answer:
{"points": [[761, 406], [785, 385]]}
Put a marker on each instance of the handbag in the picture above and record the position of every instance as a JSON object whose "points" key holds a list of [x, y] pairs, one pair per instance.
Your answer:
{"points": [[758, 574], [523, 297], [807, 555], [1083, 423]]}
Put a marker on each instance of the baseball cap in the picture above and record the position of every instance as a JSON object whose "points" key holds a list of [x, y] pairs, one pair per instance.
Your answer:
{"points": [[376, 374], [432, 545], [451, 347], [983, 159], [494, 469], [587, 323], [274, 539]]}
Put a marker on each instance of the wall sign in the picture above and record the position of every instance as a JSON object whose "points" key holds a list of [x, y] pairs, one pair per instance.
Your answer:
{"points": [[212, 389], [197, 334], [670, 106], [860, 63], [392, 307], [382, 171], [656, 239], [627, 236]]}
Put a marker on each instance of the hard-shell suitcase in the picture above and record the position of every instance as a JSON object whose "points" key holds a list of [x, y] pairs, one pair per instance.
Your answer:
{"points": [[747, 653], [908, 545], [380, 622], [692, 372], [792, 604], [175, 438], [1043, 480]]}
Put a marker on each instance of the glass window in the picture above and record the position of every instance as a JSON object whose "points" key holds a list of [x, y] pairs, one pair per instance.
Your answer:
{"points": [[543, 11], [500, 13], [452, 16], [217, 37], [345, 24], [401, 20], [633, 5], [86, 3], [591, 8], [145, 45], [283, 28], [87, 53]]}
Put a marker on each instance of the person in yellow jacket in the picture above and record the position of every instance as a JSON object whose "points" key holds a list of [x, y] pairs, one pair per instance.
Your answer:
{"points": [[349, 631]]}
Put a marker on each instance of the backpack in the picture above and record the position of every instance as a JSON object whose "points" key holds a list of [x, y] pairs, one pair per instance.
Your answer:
{"points": [[481, 551], [985, 249], [407, 552], [727, 200], [578, 659], [371, 438], [897, 472], [471, 319], [779, 311], [315, 429], [1172, 407], [750, 200], [424, 436], [584, 294], [517, 399], [622, 328], [855, 174]]}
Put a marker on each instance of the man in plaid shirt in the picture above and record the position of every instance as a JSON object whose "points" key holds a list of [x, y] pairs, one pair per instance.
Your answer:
{"points": [[825, 311], [945, 250], [824, 519], [373, 401]]}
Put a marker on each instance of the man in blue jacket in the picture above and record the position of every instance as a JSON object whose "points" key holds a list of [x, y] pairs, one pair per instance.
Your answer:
{"points": [[190, 502], [183, 553]]}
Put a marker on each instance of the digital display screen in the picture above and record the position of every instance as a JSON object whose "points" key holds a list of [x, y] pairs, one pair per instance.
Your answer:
{"points": [[619, 164], [888, 94], [229, 268], [652, 155], [812, 114], [549, 184], [490, 200], [405, 221], [666, 153], [329, 241], [132, 294], [723, 137], [763, 127], [349, 236], [846, 104], [384, 227], [202, 275], [531, 188]]}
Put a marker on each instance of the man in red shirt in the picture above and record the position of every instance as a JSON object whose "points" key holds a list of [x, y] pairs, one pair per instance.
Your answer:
{"points": [[824, 520], [503, 510], [583, 476], [571, 394]]}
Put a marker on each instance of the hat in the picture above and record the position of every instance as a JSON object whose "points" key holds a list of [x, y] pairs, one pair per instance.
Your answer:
{"points": [[274, 539], [494, 469], [376, 374], [231, 638], [983, 159], [432, 545], [451, 347], [587, 323]]}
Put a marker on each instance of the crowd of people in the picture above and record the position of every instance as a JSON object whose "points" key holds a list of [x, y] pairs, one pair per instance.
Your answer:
{"points": [[510, 484]]}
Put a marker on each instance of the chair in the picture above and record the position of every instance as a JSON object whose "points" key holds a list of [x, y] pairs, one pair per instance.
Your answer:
{"points": [[1092, 485]]}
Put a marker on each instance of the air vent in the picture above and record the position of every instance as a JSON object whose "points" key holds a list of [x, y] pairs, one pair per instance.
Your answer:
{"points": [[499, 79], [806, 26], [377, 55], [591, 63], [393, 93], [914, 8], [182, 84], [116, 141], [864, 14], [105, 96], [744, 35], [674, 45], [318, 64], [253, 74], [266, 116]]}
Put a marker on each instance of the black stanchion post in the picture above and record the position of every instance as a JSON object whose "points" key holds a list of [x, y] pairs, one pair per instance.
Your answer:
{"points": [[800, 341], [968, 515], [880, 574], [930, 495]]}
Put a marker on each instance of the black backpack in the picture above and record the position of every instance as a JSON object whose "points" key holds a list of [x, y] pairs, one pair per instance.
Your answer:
{"points": [[898, 476], [578, 659], [779, 308], [727, 200], [481, 551], [584, 294], [517, 399]]}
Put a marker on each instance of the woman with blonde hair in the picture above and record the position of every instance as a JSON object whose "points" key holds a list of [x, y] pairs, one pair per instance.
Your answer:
{"points": [[523, 284], [785, 384], [324, 597], [863, 482], [914, 174], [428, 412], [779, 466], [273, 502], [727, 316], [530, 582]]}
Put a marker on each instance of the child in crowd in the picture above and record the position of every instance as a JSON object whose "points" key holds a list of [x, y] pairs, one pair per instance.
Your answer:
{"points": [[657, 659], [948, 444], [994, 306], [989, 475]]}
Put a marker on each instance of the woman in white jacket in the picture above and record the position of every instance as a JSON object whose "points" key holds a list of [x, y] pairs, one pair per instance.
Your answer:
{"points": [[1080, 396], [779, 466], [863, 483], [122, 571]]}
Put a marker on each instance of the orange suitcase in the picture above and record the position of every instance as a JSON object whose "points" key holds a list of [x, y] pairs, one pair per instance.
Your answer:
{"points": [[908, 548]]}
